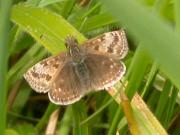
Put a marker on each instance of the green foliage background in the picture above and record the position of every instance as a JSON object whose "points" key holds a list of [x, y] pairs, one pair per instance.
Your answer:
{"points": [[32, 30]]}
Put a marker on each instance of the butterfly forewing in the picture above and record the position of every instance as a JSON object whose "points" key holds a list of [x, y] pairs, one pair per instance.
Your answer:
{"points": [[104, 71], [66, 88], [42, 74], [113, 44]]}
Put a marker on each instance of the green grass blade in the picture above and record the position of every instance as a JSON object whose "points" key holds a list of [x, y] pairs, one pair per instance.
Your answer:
{"points": [[118, 116], [40, 125], [66, 123], [68, 7], [177, 14], [157, 37], [170, 108], [44, 3], [79, 111], [27, 56], [163, 100], [98, 111], [160, 5], [150, 80], [138, 66], [98, 21], [4, 34]]}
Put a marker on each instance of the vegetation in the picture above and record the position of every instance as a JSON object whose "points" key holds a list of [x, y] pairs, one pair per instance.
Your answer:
{"points": [[34, 29]]}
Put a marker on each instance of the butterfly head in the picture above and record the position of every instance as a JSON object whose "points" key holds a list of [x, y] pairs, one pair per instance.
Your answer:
{"points": [[73, 49]]}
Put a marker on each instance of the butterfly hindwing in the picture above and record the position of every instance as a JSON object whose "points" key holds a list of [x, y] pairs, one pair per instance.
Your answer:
{"points": [[104, 71], [66, 88], [42, 74], [113, 44]]}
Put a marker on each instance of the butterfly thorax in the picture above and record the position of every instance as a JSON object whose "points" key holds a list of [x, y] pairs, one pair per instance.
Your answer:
{"points": [[73, 50]]}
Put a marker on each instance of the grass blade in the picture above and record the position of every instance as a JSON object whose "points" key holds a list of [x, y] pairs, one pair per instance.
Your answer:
{"points": [[163, 101], [4, 34], [157, 37], [177, 14]]}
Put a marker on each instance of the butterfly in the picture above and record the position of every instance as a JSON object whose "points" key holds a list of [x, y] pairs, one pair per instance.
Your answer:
{"points": [[93, 66]]}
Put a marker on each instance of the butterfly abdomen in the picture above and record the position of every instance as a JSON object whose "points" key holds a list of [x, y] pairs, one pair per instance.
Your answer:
{"points": [[82, 73]]}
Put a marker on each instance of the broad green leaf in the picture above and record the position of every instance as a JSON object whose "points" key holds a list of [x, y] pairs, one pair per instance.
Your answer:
{"points": [[48, 28]]}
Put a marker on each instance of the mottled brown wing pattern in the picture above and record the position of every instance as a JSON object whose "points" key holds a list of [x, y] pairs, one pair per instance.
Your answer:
{"points": [[93, 66], [104, 71], [42, 74], [66, 88], [113, 44]]}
